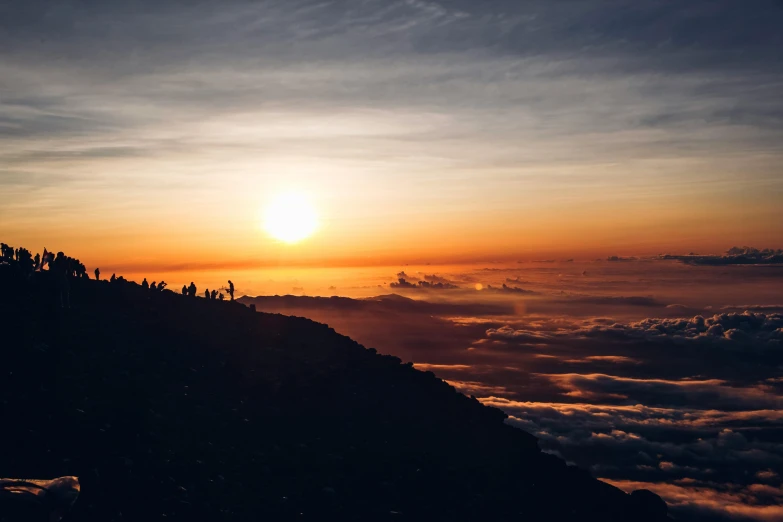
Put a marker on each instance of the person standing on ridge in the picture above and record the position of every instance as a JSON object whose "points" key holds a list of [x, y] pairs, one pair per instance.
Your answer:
{"points": [[184, 290], [231, 289], [97, 274], [144, 284], [59, 266], [192, 290]]}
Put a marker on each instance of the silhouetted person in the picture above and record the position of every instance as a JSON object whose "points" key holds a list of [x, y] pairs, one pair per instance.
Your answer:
{"points": [[221, 296], [144, 284], [214, 294], [25, 261], [77, 269], [60, 267], [192, 290], [153, 286], [231, 289], [161, 286], [37, 260], [206, 294], [184, 290], [97, 274]]}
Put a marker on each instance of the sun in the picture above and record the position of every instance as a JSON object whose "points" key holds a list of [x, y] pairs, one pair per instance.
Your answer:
{"points": [[290, 218]]}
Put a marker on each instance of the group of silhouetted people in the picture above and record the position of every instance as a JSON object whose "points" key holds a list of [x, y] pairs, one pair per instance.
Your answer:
{"points": [[155, 287], [214, 295], [192, 291], [63, 268], [59, 264]]}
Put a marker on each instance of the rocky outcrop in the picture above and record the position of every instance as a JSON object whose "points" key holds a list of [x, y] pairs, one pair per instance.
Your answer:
{"points": [[24, 500], [649, 504]]}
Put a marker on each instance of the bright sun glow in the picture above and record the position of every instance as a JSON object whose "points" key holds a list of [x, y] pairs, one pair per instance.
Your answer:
{"points": [[290, 217]]}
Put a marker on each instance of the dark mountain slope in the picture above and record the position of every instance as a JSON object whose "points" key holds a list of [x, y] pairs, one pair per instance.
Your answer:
{"points": [[177, 408]]}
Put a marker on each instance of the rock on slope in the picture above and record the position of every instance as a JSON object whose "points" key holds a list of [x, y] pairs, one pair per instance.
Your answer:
{"points": [[175, 408]]}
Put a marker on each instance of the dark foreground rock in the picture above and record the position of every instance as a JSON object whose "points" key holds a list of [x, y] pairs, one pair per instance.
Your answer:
{"points": [[650, 503], [23, 500], [175, 408]]}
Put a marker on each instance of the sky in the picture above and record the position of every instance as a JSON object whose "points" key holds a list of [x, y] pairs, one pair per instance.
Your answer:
{"points": [[153, 134]]}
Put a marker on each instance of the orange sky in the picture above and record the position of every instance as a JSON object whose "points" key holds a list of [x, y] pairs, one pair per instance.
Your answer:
{"points": [[225, 228]]}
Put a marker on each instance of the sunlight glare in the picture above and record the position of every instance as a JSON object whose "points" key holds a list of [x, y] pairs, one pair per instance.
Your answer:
{"points": [[290, 218]]}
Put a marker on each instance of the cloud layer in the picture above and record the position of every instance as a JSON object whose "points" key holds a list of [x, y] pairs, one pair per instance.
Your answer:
{"points": [[607, 374]]}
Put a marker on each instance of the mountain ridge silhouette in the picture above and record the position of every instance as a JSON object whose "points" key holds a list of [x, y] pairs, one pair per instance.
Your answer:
{"points": [[170, 407]]}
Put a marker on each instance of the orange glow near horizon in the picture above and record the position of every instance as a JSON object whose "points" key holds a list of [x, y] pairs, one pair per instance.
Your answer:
{"points": [[180, 237]]}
